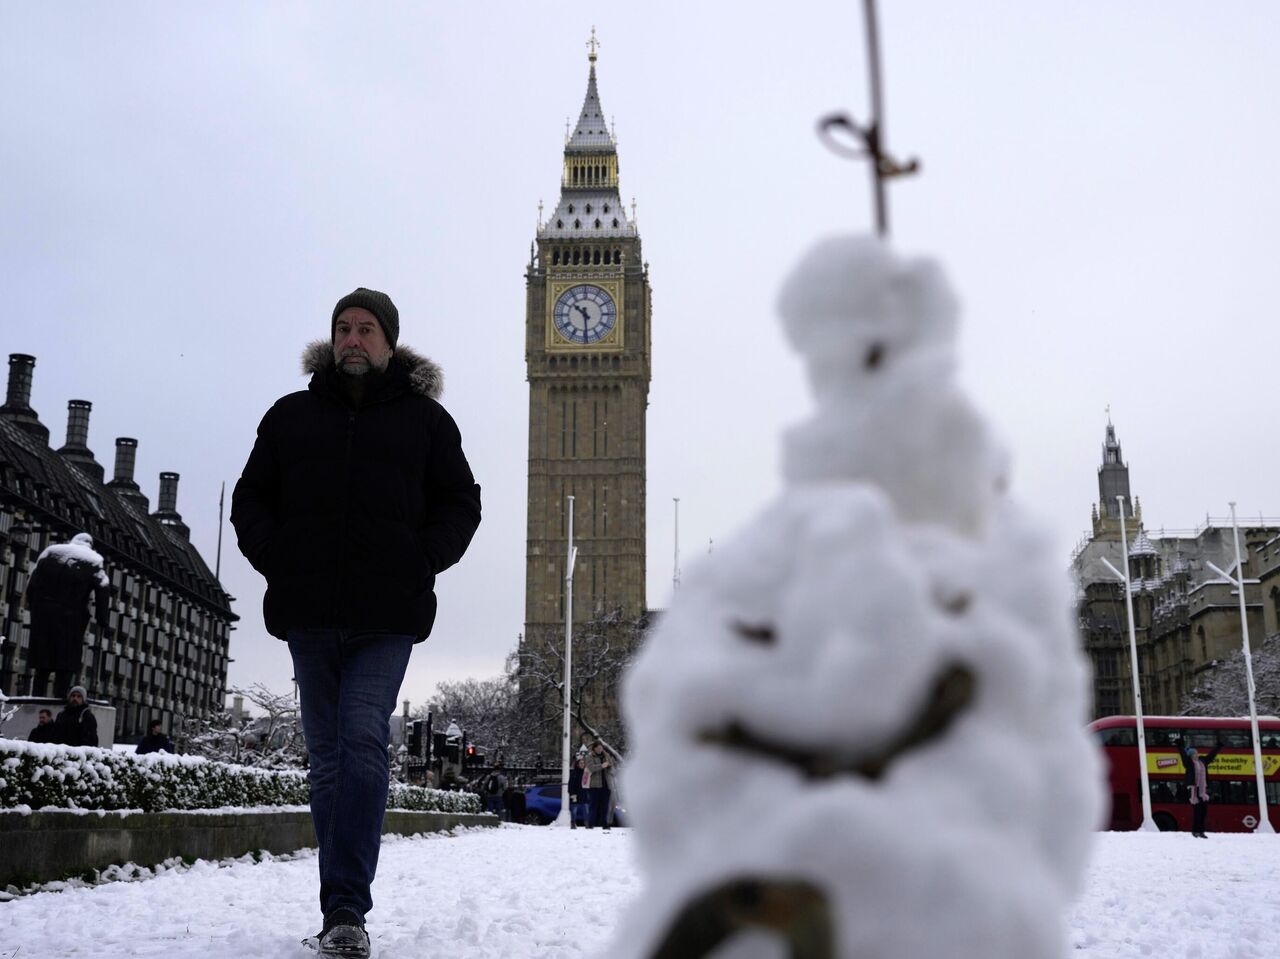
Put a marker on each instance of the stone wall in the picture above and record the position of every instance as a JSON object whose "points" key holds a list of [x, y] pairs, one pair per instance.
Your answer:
{"points": [[44, 846]]}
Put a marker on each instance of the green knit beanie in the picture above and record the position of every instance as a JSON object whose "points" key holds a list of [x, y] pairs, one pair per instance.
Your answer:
{"points": [[379, 304]]}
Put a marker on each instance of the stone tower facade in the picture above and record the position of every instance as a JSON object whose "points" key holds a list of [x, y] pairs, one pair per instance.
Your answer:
{"points": [[1185, 616], [587, 352]]}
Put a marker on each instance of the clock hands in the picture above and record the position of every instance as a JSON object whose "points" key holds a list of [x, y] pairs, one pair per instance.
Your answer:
{"points": [[586, 321]]}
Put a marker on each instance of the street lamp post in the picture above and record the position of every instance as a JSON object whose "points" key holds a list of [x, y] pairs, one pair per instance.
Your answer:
{"points": [[566, 814], [1264, 821], [1148, 824]]}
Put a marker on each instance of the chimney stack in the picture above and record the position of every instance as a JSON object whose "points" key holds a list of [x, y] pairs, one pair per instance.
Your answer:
{"points": [[167, 515], [169, 493], [122, 482], [77, 449], [17, 404]]}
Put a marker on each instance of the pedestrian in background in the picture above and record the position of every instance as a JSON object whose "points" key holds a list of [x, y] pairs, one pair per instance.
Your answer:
{"points": [[356, 496], [1197, 780], [579, 794], [155, 740], [599, 770], [495, 784], [76, 725], [44, 731], [65, 576]]}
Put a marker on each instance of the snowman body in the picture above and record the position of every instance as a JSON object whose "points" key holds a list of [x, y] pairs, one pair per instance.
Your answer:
{"points": [[768, 709]]}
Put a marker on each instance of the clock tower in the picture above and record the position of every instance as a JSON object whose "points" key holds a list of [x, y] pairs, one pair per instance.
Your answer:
{"points": [[587, 356]]}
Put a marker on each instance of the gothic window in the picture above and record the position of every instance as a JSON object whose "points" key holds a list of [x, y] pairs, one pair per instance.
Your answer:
{"points": [[617, 254], [577, 224], [588, 207], [597, 223], [606, 210], [570, 207], [615, 222], [559, 224], [595, 254]]}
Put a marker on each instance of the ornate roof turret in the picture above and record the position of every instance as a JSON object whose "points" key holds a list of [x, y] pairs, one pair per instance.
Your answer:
{"points": [[590, 206], [1142, 546]]}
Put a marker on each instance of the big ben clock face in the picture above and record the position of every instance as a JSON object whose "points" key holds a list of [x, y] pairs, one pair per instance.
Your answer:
{"points": [[585, 314]]}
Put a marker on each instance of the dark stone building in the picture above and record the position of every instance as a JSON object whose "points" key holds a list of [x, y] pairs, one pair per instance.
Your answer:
{"points": [[1186, 617], [164, 654]]}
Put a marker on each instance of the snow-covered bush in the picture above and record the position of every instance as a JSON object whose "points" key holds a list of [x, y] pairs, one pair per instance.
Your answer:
{"points": [[40, 775]]}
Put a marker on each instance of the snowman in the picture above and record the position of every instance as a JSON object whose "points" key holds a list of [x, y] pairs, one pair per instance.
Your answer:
{"points": [[859, 729]]}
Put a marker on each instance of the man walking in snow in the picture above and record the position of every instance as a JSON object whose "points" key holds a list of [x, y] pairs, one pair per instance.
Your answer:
{"points": [[355, 497], [57, 594]]}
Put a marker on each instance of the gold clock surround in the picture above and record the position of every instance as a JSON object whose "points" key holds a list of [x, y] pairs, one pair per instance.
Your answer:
{"points": [[611, 342]]}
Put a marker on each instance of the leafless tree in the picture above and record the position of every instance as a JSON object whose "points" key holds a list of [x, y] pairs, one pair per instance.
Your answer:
{"points": [[486, 709], [603, 649], [1221, 690], [273, 740]]}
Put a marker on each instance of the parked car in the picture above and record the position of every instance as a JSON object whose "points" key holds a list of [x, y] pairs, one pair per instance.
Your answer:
{"points": [[542, 806]]}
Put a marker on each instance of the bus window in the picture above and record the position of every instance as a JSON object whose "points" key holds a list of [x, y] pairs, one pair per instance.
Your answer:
{"points": [[1239, 792], [1235, 738], [1163, 738], [1201, 739], [1166, 791], [1273, 794], [1120, 736]]}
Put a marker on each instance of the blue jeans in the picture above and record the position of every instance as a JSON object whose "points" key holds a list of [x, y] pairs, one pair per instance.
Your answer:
{"points": [[348, 681]]}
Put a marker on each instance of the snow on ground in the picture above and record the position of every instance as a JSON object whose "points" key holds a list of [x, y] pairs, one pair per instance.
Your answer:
{"points": [[513, 892], [1176, 897], [525, 892]]}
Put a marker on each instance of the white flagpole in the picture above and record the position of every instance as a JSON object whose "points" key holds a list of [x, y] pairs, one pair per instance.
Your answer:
{"points": [[566, 814], [1264, 821]]}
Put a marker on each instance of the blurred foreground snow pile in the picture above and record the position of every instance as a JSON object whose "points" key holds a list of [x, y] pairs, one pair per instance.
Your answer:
{"points": [[874, 688]]}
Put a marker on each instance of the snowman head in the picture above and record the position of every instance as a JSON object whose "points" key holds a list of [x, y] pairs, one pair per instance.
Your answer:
{"points": [[857, 312]]}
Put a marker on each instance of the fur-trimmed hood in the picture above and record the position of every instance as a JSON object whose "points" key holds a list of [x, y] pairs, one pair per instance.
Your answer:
{"points": [[425, 375]]}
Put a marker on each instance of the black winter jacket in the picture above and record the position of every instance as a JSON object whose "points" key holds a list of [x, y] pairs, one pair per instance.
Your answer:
{"points": [[76, 726], [351, 512]]}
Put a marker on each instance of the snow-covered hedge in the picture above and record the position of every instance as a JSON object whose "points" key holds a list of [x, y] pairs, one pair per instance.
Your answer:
{"points": [[38, 775]]}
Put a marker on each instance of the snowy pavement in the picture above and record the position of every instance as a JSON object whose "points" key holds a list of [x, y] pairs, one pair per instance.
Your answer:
{"points": [[524, 892]]}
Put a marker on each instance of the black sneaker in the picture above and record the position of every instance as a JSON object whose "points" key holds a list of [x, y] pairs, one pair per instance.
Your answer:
{"points": [[343, 935], [346, 941]]}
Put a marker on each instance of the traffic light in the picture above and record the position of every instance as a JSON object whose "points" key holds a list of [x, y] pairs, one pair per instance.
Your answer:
{"points": [[471, 755]]}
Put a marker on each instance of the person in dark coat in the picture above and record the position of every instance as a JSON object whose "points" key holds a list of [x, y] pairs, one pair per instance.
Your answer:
{"points": [[598, 769], [76, 725], [155, 740], [44, 730], [356, 496], [65, 576], [1197, 781], [579, 796]]}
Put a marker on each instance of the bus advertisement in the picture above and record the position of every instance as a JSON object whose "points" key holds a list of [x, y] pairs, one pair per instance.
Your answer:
{"points": [[1232, 778]]}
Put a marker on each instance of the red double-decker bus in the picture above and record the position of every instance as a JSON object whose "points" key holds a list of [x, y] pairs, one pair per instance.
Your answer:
{"points": [[1232, 779]]}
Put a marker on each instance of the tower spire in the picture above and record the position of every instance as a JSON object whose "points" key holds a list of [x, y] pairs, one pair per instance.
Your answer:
{"points": [[592, 44]]}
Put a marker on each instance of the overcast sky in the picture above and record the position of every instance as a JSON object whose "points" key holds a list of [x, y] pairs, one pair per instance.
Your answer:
{"points": [[186, 190]]}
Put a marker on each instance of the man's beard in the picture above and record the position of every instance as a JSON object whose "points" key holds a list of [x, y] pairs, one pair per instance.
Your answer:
{"points": [[358, 363]]}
